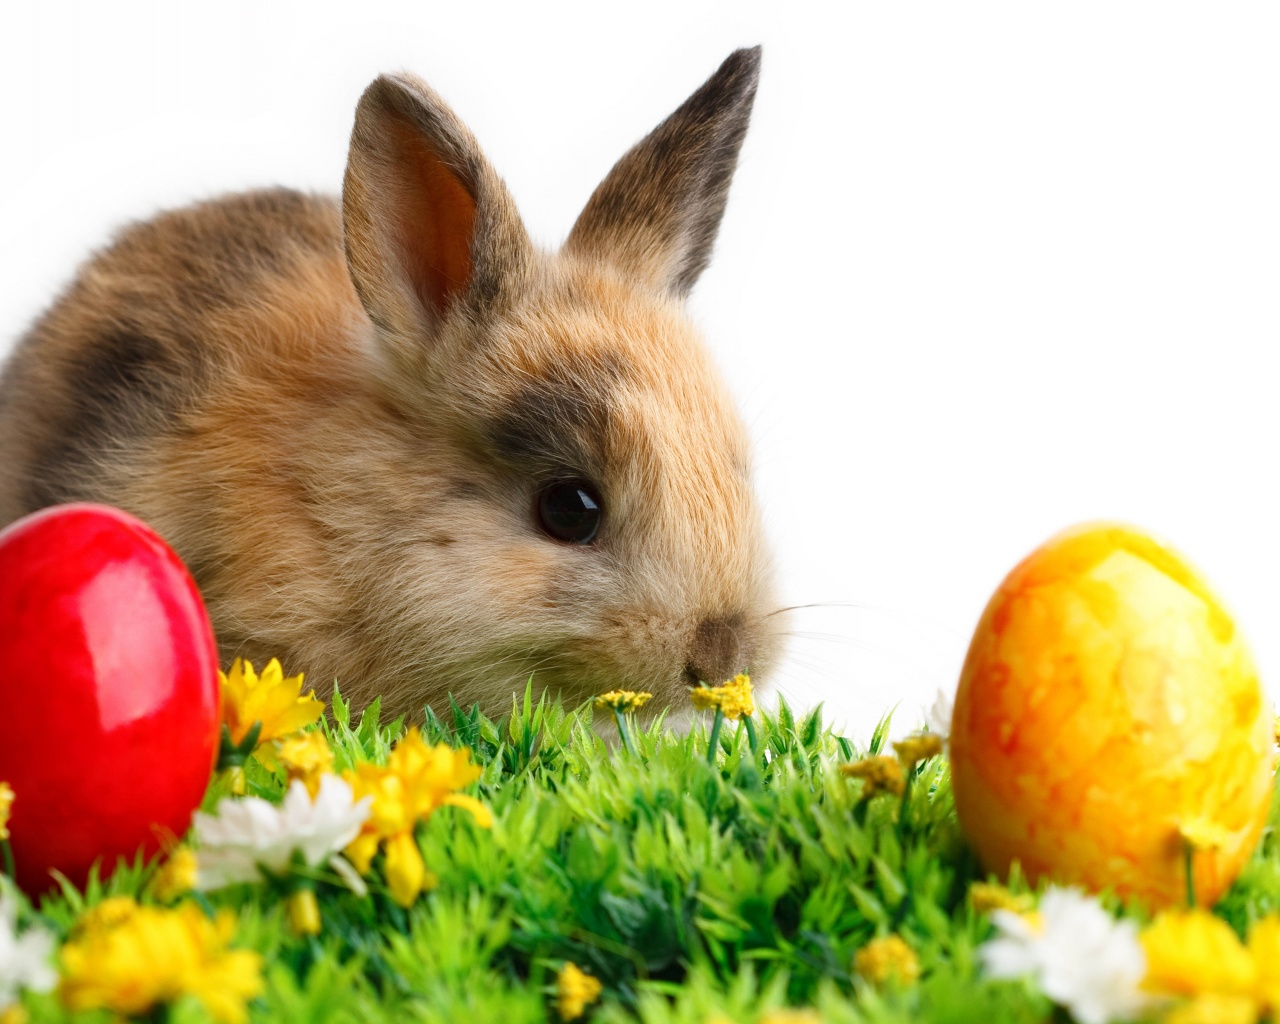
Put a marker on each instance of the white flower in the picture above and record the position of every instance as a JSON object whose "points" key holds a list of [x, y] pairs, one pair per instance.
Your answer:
{"points": [[938, 718], [247, 834], [1081, 957], [24, 959]]}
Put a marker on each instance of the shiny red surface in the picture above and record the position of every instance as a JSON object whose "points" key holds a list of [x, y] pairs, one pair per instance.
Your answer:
{"points": [[109, 696]]}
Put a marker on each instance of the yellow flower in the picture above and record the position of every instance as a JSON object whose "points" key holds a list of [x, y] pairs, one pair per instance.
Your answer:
{"points": [[304, 912], [623, 700], [407, 873], [6, 804], [15, 1013], [888, 959], [1191, 952], [176, 876], [985, 897], [880, 774], [361, 850], [575, 991], [271, 699], [732, 698], [111, 912], [704, 698], [918, 748], [307, 757], [1264, 947], [416, 781], [137, 958]]}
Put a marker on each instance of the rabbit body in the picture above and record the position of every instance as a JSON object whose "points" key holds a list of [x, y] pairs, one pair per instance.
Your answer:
{"points": [[345, 417]]}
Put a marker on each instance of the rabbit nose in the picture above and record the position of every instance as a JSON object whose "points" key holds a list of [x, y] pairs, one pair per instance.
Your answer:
{"points": [[719, 651]]}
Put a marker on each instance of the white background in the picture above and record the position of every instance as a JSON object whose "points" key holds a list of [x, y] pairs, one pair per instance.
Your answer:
{"points": [[987, 270]]}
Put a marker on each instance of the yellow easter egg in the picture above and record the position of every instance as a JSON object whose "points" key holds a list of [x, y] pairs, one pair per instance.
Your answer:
{"points": [[1109, 714]]}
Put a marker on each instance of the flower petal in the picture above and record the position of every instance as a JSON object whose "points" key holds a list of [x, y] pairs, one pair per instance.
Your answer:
{"points": [[481, 813], [360, 851], [406, 872]]}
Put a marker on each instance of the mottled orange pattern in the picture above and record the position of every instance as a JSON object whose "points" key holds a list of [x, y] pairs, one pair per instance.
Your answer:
{"points": [[1108, 704]]}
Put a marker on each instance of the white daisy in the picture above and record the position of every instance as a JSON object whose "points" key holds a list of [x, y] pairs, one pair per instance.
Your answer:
{"points": [[246, 836], [25, 958], [1081, 957]]}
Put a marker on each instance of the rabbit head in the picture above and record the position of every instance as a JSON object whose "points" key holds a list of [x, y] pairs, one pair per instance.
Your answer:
{"points": [[578, 506]]}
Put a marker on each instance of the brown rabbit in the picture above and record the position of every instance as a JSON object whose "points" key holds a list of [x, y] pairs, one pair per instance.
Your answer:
{"points": [[401, 447]]}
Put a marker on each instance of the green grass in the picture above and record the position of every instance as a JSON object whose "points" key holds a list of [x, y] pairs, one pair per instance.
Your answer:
{"points": [[690, 890]]}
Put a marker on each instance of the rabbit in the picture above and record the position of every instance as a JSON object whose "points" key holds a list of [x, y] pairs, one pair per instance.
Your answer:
{"points": [[400, 447]]}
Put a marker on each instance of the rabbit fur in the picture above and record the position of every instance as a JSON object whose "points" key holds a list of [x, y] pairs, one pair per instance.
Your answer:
{"points": [[340, 414]]}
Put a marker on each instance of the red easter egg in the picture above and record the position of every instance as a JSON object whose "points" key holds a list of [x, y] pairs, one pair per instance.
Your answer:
{"points": [[109, 700]]}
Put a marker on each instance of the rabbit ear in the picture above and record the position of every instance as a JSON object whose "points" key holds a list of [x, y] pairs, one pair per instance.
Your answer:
{"points": [[657, 213], [426, 221]]}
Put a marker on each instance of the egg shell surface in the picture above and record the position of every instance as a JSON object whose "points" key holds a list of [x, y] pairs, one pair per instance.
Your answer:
{"points": [[1108, 708]]}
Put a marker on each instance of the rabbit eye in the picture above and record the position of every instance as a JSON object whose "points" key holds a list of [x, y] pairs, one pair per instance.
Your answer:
{"points": [[570, 511]]}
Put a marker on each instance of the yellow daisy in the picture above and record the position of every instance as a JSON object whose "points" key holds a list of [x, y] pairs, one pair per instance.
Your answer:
{"points": [[915, 749], [270, 699], [575, 991], [136, 958], [176, 876], [306, 756], [623, 700], [879, 774], [416, 781], [1193, 953], [733, 698], [887, 960]]}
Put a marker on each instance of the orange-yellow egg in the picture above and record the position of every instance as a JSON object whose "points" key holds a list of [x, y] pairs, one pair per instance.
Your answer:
{"points": [[1108, 714]]}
